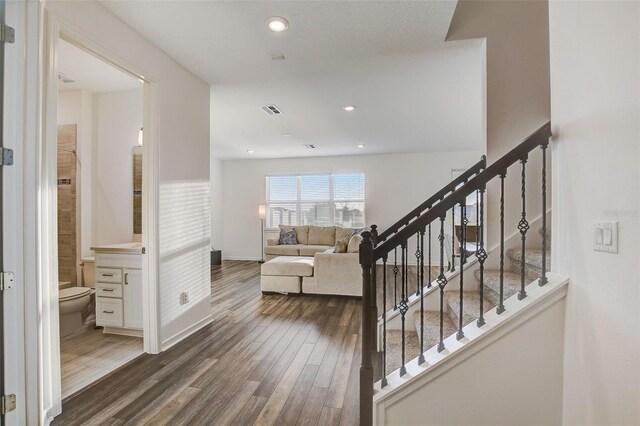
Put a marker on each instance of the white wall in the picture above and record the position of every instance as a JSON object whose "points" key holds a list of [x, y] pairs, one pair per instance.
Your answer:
{"points": [[595, 111], [515, 380], [217, 223], [517, 90], [181, 122], [117, 118], [394, 185]]}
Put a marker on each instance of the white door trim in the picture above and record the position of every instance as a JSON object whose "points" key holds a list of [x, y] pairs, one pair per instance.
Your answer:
{"points": [[55, 28]]}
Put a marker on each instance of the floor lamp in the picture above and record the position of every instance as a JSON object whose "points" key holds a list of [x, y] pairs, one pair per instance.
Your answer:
{"points": [[261, 214]]}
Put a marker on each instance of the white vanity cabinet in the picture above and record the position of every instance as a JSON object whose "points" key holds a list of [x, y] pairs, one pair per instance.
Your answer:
{"points": [[119, 289]]}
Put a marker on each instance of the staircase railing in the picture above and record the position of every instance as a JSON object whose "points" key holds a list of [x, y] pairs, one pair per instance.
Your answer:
{"points": [[438, 196], [396, 238]]}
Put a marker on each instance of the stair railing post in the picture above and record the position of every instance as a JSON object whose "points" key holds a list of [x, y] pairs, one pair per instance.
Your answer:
{"points": [[366, 366], [374, 234]]}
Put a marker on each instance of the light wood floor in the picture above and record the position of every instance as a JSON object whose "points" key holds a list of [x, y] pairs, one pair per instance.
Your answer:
{"points": [[89, 355], [264, 360]]}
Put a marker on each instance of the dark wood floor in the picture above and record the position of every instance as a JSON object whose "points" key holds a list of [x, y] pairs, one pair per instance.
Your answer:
{"points": [[264, 360]]}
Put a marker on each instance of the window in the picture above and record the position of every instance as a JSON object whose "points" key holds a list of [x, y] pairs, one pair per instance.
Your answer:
{"points": [[320, 200]]}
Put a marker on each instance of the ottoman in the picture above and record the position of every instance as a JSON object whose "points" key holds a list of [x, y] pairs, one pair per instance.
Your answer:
{"points": [[283, 274]]}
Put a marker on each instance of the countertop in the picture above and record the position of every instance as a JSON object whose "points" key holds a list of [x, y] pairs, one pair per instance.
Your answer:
{"points": [[123, 248]]}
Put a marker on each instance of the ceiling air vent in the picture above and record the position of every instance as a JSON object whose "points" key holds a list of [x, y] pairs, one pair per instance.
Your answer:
{"points": [[271, 110], [310, 146], [65, 79]]}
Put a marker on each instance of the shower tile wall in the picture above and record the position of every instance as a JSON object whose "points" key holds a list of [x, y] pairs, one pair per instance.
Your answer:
{"points": [[67, 137], [137, 194]]}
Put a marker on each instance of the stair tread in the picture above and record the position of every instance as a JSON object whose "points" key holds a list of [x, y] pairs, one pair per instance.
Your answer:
{"points": [[432, 327], [492, 281], [532, 256], [470, 307], [394, 348]]}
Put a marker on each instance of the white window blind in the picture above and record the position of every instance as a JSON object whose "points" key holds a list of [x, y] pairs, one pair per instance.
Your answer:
{"points": [[319, 200]]}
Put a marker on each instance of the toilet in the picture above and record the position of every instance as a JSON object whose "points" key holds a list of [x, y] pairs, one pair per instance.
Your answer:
{"points": [[74, 300]]}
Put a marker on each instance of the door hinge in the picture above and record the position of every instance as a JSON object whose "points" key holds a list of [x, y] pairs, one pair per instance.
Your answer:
{"points": [[7, 34], [7, 403], [6, 280], [6, 157]]}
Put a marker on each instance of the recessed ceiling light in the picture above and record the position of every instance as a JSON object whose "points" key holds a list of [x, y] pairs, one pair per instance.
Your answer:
{"points": [[286, 135], [250, 151], [349, 108], [278, 24], [360, 146]]}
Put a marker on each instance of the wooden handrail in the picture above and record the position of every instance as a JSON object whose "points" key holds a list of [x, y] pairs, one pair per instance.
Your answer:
{"points": [[438, 196], [538, 138]]}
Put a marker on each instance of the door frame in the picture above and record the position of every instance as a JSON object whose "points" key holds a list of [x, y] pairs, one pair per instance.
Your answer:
{"points": [[54, 29]]}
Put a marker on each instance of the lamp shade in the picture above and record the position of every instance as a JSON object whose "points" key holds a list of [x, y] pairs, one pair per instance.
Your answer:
{"points": [[140, 137], [261, 211]]}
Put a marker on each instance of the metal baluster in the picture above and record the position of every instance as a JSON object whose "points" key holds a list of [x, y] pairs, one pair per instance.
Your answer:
{"points": [[482, 256], [419, 270], [543, 279], [442, 282], [463, 255], [477, 230], [500, 308], [403, 305], [384, 321], [421, 357], [523, 226], [429, 283], [453, 239], [395, 278]]}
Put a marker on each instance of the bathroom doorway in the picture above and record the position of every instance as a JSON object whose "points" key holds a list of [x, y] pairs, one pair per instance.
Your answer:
{"points": [[103, 174]]}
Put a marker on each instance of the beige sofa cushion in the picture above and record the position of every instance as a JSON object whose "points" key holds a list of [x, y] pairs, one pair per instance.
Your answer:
{"points": [[311, 250], [280, 284], [288, 266], [342, 233], [354, 244], [302, 232], [322, 235], [283, 250]]}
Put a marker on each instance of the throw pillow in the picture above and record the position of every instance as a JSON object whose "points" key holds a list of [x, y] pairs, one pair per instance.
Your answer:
{"points": [[354, 244], [341, 246], [342, 233], [357, 231], [302, 232], [288, 238]]}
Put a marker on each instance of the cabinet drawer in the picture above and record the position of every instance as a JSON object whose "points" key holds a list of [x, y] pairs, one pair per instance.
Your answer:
{"points": [[108, 290], [109, 312], [109, 275]]}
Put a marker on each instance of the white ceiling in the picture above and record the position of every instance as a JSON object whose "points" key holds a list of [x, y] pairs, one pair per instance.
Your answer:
{"points": [[89, 72], [413, 91]]}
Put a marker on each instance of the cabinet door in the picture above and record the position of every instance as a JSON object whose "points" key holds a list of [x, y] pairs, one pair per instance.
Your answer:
{"points": [[132, 298]]}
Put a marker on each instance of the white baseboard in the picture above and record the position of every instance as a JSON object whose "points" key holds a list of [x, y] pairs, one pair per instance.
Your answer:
{"points": [[166, 344], [240, 258]]}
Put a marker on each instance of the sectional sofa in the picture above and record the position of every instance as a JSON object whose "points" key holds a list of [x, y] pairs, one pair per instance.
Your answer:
{"points": [[311, 266]]}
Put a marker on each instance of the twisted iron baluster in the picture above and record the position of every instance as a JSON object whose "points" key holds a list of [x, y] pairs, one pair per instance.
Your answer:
{"points": [[421, 358], [384, 322], [500, 308], [442, 282], [477, 231], [482, 256], [463, 255], [453, 239], [395, 278], [403, 305], [419, 275], [523, 227], [543, 278], [429, 283]]}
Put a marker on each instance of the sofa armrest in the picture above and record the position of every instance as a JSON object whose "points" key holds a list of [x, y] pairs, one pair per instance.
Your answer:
{"points": [[273, 242], [338, 273]]}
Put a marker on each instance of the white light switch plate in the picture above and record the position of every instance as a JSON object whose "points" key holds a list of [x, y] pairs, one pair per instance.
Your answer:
{"points": [[605, 236]]}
